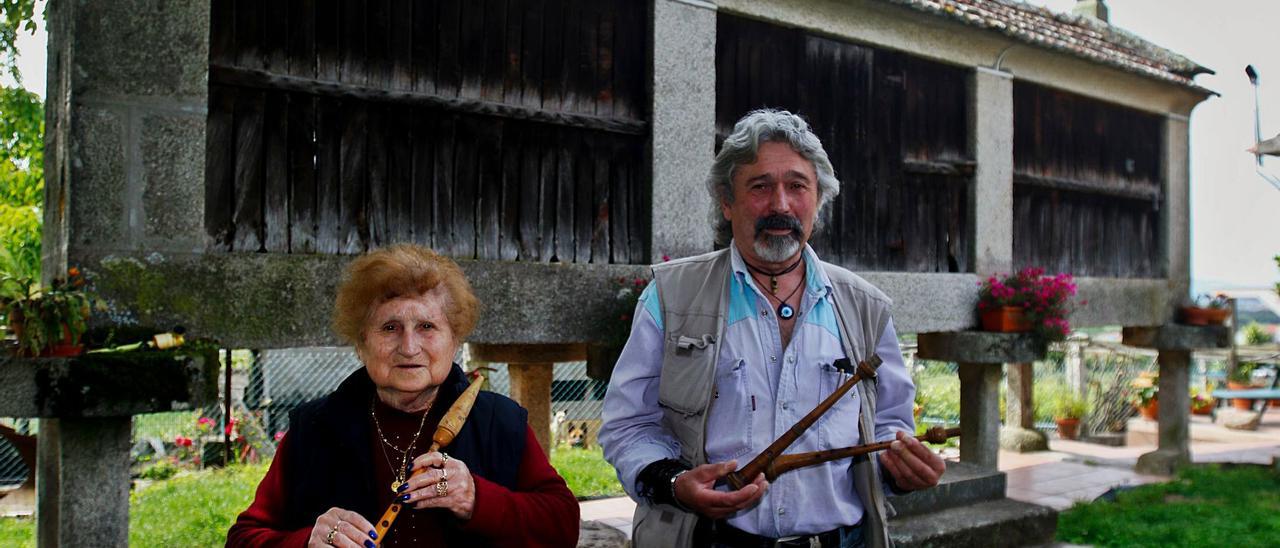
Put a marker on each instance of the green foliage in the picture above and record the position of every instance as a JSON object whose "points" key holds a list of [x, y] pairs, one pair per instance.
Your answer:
{"points": [[1069, 406], [1255, 334], [21, 181], [586, 471], [43, 317], [1243, 373], [193, 509], [1202, 507], [15, 16], [161, 470]]}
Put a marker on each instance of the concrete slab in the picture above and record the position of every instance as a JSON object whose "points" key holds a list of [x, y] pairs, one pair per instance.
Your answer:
{"points": [[980, 347], [1177, 337]]}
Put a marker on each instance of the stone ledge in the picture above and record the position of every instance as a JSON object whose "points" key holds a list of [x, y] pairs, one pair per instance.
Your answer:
{"points": [[1003, 522], [107, 385], [980, 347], [961, 485], [1177, 337]]}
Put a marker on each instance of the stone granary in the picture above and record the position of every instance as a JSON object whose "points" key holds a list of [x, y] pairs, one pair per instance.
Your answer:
{"points": [[215, 163]]}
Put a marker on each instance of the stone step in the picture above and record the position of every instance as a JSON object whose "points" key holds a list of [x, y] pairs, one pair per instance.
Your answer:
{"points": [[962, 484], [1004, 522]]}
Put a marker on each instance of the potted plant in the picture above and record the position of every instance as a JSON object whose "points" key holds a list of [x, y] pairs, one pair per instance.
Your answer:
{"points": [[1201, 402], [1145, 395], [1242, 379], [1205, 310], [46, 321], [1068, 410], [1027, 301]]}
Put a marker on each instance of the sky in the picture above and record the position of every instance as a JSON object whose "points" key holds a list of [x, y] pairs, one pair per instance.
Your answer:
{"points": [[1235, 213]]}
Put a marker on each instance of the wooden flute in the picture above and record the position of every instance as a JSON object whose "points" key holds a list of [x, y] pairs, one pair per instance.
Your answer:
{"points": [[450, 424], [744, 475], [786, 463]]}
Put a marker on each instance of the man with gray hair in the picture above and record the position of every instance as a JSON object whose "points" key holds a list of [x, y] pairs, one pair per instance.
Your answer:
{"points": [[729, 349]]}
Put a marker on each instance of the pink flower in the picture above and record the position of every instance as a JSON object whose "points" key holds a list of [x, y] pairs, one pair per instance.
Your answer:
{"points": [[279, 436], [205, 421], [182, 441], [666, 258]]}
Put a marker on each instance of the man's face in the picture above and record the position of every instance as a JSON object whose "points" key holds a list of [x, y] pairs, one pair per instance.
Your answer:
{"points": [[775, 202]]}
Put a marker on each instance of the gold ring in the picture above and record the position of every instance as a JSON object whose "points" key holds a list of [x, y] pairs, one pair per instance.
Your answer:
{"points": [[329, 539], [442, 488]]}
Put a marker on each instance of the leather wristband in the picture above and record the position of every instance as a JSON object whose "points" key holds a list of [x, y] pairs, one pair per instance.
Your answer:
{"points": [[658, 481]]}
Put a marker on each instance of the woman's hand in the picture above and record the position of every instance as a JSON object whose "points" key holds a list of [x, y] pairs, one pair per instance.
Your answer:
{"points": [[446, 483], [343, 528]]}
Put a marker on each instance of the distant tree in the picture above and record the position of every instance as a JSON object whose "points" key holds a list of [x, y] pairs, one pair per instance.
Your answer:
{"points": [[15, 16], [21, 181]]}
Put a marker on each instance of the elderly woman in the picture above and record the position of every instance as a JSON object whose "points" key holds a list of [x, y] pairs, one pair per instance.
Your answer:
{"points": [[348, 455]]}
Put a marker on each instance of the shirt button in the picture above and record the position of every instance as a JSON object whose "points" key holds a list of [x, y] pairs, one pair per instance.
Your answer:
{"points": [[773, 358], [786, 405], [764, 313], [782, 511]]}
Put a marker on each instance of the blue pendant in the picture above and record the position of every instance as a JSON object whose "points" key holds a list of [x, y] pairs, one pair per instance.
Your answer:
{"points": [[785, 311]]}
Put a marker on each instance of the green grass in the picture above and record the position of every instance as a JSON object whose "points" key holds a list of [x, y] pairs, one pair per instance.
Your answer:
{"points": [[1201, 507], [586, 471], [193, 509]]}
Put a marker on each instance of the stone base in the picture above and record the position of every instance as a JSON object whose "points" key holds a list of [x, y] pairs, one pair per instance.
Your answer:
{"points": [[1023, 440], [1236, 419], [1003, 522], [1161, 462], [961, 485], [594, 534], [1110, 439]]}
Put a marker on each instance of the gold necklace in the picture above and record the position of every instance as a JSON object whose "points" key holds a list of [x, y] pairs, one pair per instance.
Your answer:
{"points": [[400, 472]]}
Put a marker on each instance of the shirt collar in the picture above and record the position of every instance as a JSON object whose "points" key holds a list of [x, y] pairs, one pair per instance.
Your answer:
{"points": [[816, 281]]}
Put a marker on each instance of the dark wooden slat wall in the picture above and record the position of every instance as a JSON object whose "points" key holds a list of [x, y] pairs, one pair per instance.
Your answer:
{"points": [[874, 110], [487, 129], [1107, 223]]}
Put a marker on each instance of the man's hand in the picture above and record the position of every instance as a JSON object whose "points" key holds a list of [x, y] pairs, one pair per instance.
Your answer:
{"points": [[696, 490], [912, 465]]}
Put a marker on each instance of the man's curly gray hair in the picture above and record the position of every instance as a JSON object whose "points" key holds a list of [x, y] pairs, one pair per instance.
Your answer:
{"points": [[741, 148]]}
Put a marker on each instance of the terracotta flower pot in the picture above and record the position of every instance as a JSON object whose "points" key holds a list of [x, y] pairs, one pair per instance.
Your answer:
{"points": [[1195, 315], [1150, 411], [1202, 407], [1241, 403], [1005, 319], [1068, 428]]}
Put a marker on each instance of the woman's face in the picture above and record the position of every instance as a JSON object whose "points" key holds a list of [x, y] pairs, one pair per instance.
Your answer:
{"points": [[408, 344]]}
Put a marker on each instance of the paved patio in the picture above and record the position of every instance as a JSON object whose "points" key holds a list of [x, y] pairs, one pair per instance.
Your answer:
{"points": [[1070, 471]]}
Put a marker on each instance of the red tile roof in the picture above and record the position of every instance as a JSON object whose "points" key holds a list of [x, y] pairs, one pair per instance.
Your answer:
{"points": [[1083, 37]]}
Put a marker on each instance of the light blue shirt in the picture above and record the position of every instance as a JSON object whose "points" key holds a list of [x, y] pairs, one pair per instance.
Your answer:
{"points": [[762, 389]]}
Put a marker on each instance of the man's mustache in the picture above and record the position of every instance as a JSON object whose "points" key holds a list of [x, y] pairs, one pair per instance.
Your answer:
{"points": [[778, 221]]}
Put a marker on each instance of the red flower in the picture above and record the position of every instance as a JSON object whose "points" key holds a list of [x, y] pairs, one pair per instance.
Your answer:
{"points": [[279, 436]]}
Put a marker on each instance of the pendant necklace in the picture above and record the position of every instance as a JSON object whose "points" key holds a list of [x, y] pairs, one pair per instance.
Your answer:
{"points": [[773, 276], [398, 473], [785, 311]]}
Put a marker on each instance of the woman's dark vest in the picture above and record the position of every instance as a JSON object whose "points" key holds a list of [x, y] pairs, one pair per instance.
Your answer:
{"points": [[330, 458]]}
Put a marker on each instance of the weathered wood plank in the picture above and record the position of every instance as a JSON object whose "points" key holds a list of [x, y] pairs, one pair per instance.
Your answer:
{"points": [[447, 156], [466, 187], [553, 67], [328, 174], [401, 183], [549, 185], [401, 42], [425, 34], [264, 80], [302, 174], [276, 185], [529, 198], [222, 32], [376, 205], [353, 41], [489, 194], [353, 223], [219, 190], [328, 54], [601, 185], [584, 200], [275, 40], [249, 34], [424, 152], [302, 38], [564, 202], [247, 216], [531, 56], [514, 143], [493, 63]]}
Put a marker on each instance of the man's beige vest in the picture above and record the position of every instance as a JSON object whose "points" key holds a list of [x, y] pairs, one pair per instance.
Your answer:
{"points": [[694, 295]]}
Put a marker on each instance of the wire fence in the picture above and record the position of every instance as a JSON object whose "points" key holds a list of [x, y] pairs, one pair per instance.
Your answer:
{"points": [[267, 385]]}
